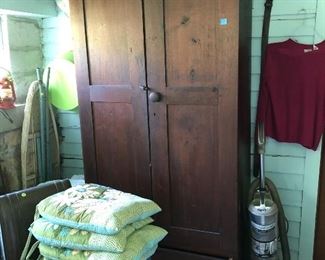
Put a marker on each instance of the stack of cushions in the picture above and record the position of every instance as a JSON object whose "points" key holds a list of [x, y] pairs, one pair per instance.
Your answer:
{"points": [[91, 221]]}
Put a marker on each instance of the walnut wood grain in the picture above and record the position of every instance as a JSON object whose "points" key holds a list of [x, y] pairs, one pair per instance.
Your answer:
{"points": [[189, 151]]}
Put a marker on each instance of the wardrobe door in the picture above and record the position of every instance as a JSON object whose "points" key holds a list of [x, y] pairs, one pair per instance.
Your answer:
{"points": [[109, 57], [192, 60]]}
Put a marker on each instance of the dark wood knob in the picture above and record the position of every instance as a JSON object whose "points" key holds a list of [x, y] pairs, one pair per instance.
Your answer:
{"points": [[154, 96]]}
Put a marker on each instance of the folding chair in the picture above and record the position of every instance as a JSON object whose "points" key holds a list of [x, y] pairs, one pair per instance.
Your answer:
{"points": [[17, 214]]}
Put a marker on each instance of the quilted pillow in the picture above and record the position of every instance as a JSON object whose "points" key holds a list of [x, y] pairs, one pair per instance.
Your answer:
{"points": [[150, 252], [141, 245], [60, 236], [96, 208]]}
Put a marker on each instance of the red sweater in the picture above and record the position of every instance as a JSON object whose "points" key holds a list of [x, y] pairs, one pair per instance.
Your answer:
{"points": [[292, 96]]}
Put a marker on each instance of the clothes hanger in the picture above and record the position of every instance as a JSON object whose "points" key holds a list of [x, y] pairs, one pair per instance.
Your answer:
{"points": [[307, 27]]}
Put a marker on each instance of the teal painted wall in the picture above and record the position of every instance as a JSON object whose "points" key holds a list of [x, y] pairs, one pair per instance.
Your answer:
{"points": [[41, 8], [56, 40], [293, 168]]}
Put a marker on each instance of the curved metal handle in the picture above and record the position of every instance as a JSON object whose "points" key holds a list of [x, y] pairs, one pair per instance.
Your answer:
{"points": [[154, 96]]}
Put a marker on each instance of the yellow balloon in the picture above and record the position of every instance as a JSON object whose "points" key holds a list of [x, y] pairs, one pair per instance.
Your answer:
{"points": [[62, 84]]}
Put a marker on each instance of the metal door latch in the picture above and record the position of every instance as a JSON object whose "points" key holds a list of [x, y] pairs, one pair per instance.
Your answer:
{"points": [[144, 88]]}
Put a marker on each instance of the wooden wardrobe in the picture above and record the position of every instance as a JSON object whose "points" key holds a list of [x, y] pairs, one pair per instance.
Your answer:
{"points": [[163, 91]]}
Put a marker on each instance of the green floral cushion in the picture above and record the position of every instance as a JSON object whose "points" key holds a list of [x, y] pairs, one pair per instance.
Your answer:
{"points": [[141, 245], [61, 236], [149, 253], [96, 208]]}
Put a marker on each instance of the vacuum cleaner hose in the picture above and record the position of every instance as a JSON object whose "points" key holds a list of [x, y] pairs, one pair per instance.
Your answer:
{"points": [[282, 221]]}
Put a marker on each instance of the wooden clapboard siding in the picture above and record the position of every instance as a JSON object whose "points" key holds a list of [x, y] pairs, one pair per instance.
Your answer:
{"points": [[71, 148], [69, 120], [287, 181], [56, 40], [56, 37], [71, 171], [294, 229], [44, 8], [293, 213], [292, 168], [275, 148], [71, 135], [285, 7]]}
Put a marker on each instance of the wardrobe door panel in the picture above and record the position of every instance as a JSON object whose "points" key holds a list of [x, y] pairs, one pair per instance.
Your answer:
{"points": [[111, 54], [192, 151], [115, 44], [191, 46], [192, 62], [113, 142]]}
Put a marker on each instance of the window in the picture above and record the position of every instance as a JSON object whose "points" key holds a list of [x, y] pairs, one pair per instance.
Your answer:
{"points": [[4, 46], [20, 53]]}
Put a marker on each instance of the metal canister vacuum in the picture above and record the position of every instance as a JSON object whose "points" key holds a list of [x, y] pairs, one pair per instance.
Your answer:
{"points": [[268, 222], [263, 213]]}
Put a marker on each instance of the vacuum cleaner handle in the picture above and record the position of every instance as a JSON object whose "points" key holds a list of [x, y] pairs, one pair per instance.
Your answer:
{"points": [[261, 138], [261, 151]]}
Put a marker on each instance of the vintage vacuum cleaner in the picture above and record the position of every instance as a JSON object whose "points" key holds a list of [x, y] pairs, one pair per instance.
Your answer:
{"points": [[267, 220], [268, 223], [263, 212]]}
